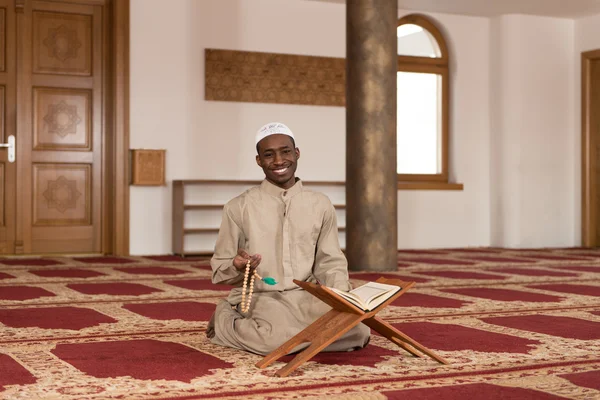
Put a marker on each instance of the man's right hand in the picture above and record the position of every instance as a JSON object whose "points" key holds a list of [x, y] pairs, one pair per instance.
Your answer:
{"points": [[242, 257]]}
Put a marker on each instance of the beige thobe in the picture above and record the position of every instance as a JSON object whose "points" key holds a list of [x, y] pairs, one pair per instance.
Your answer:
{"points": [[295, 231]]}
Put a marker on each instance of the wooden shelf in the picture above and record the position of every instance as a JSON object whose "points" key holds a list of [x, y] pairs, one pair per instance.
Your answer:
{"points": [[191, 231], [200, 230], [180, 232], [187, 207], [429, 186], [202, 206], [247, 182], [209, 232]]}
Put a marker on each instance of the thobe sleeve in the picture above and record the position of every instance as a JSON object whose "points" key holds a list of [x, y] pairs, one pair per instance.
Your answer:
{"points": [[331, 266], [230, 239]]}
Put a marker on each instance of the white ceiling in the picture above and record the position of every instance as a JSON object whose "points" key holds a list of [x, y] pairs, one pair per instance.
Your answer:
{"points": [[492, 8]]}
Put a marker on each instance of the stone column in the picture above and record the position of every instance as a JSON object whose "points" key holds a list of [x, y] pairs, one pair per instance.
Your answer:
{"points": [[371, 179]]}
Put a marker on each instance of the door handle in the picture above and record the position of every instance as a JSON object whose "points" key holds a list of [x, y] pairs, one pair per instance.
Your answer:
{"points": [[11, 148]]}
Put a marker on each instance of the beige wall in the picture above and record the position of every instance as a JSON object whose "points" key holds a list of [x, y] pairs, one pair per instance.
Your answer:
{"points": [[215, 139], [533, 111]]}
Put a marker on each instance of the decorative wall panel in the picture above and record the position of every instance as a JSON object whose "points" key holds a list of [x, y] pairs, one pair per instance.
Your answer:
{"points": [[62, 119], [61, 194], [243, 76], [62, 43], [2, 39], [147, 167]]}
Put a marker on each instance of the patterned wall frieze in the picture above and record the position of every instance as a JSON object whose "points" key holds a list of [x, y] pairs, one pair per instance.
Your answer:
{"points": [[243, 76]]}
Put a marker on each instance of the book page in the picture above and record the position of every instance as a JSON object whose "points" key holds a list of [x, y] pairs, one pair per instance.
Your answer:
{"points": [[352, 298], [371, 290], [376, 301], [369, 295]]}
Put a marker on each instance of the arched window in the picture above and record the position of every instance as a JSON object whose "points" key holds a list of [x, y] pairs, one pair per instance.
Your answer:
{"points": [[423, 102]]}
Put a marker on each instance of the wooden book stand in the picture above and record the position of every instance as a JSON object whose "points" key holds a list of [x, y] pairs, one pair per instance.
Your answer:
{"points": [[335, 323]]}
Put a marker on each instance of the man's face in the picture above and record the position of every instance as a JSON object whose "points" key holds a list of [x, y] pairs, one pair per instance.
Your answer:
{"points": [[278, 158]]}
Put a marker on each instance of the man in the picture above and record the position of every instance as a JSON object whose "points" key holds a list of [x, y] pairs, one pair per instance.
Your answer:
{"points": [[287, 232]]}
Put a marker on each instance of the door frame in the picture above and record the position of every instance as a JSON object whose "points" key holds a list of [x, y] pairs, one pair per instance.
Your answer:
{"points": [[116, 228], [589, 158]]}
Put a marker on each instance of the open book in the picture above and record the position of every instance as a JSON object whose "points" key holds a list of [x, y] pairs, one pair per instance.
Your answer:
{"points": [[369, 295]]}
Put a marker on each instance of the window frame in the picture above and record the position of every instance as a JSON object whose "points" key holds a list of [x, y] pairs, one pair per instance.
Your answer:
{"points": [[440, 66]]}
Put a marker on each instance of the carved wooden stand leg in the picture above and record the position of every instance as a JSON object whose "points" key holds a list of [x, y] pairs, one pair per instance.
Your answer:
{"points": [[401, 339], [334, 324], [319, 334]]}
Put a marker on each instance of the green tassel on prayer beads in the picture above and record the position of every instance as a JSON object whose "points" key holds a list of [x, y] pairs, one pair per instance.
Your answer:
{"points": [[269, 281]]}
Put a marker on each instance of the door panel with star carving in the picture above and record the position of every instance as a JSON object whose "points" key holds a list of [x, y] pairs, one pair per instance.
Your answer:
{"points": [[60, 114]]}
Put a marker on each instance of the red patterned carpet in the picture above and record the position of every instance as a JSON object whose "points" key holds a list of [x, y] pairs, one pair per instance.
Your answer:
{"points": [[513, 324]]}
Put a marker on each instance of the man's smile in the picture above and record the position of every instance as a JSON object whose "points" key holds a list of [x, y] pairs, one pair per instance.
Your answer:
{"points": [[280, 171]]}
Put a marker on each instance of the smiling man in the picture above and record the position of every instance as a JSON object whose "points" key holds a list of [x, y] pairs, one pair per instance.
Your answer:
{"points": [[287, 232]]}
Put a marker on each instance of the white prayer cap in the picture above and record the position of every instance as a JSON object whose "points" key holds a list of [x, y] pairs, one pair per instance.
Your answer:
{"points": [[273, 128]]}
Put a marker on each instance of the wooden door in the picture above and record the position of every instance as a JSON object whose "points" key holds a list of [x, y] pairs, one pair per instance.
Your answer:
{"points": [[7, 125], [595, 131], [590, 144], [60, 122], [60, 127]]}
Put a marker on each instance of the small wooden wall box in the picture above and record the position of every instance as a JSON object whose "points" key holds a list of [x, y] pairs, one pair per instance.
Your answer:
{"points": [[147, 167]]}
